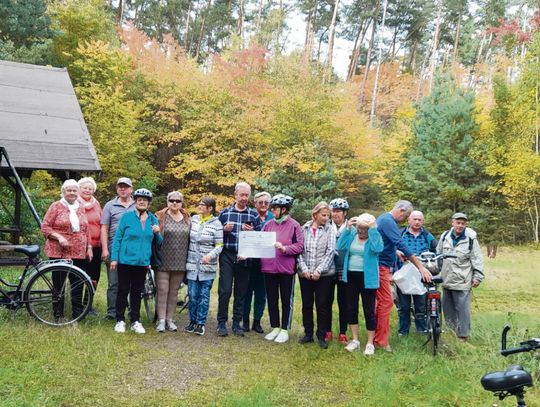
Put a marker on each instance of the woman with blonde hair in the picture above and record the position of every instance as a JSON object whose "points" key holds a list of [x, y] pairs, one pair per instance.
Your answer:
{"points": [[92, 210], [362, 244], [175, 225], [316, 271]]}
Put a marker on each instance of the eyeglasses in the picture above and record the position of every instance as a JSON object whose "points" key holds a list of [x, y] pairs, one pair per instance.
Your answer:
{"points": [[262, 202], [175, 200]]}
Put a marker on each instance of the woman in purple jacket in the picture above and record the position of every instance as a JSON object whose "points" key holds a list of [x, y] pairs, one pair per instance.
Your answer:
{"points": [[279, 271]]}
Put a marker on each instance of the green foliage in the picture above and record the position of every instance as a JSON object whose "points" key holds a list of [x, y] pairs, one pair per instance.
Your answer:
{"points": [[437, 172], [303, 171], [78, 21], [24, 22]]}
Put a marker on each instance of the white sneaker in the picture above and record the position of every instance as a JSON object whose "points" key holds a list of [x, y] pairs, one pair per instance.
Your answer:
{"points": [[160, 327], [370, 349], [282, 337], [353, 345], [273, 334], [137, 327], [171, 326], [120, 327]]}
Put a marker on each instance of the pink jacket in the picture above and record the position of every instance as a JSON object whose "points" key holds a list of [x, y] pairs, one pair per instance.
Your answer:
{"points": [[289, 234]]}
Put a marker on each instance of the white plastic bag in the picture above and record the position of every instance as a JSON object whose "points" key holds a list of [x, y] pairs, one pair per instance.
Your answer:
{"points": [[409, 280]]}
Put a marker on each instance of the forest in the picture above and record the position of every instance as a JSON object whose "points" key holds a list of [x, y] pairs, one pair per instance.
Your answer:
{"points": [[440, 104]]}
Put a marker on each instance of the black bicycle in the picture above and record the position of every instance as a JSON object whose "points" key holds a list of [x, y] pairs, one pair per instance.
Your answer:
{"points": [[433, 299], [514, 380], [54, 292]]}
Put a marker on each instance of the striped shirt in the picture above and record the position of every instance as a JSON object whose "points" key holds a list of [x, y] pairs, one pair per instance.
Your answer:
{"points": [[232, 215]]}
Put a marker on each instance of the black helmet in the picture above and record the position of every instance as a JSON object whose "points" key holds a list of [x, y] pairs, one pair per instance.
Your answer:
{"points": [[282, 201], [143, 193], [339, 203]]}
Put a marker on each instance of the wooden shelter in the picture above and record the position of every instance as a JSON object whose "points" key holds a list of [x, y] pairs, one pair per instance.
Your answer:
{"points": [[41, 128]]}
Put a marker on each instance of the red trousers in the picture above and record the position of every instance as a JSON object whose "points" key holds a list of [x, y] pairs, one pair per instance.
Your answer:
{"points": [[385, 302]]}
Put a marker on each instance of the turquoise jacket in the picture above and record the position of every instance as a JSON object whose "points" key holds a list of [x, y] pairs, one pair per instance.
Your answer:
{"points": [[372, 248], [132, 244]]}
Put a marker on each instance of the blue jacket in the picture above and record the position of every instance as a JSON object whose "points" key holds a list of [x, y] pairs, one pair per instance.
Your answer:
{"points": [[372, 248], [132, 244], [388, 228]]}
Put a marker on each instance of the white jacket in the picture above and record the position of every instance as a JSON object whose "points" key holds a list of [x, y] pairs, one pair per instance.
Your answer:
{"points": [[458, 273]]}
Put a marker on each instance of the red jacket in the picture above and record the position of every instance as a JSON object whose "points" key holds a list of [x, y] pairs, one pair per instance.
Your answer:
{"points": [[93, 215], [56, 220]]}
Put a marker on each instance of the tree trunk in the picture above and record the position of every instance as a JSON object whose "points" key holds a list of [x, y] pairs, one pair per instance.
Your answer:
{"points": [[240, 23], [368, 61], [492, 250], [201, 31], [331, 34], [120, 12], [379, 60], [456, 41], [259, 17], [186, 36], [355, 53], [310, 34], [433, 65]]}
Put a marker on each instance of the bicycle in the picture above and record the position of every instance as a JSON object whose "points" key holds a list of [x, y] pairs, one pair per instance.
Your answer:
{"points": [[148, 295], [55, 292], [513, 380], [433, 299]]}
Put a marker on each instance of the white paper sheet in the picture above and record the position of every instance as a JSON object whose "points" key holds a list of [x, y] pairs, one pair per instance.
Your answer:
{"points": [[257, 245]]}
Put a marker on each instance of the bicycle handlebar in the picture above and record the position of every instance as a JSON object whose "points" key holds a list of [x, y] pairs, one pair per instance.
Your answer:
{"points": [[526, 346], [428, 257]]}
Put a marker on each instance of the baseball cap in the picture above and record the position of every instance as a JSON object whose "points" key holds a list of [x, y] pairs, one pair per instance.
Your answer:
{"points": [[124, 180], [459, 215]]}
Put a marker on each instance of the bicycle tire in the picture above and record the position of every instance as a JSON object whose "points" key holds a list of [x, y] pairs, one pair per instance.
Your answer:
{"points": [[149, 295], [435, 329], [59, 295]]}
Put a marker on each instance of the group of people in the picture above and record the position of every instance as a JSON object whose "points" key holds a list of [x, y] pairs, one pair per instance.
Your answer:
{"points": [[357, 256]]}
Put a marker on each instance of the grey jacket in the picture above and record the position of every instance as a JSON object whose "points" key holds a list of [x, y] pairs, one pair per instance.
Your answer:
{"points": [[318, 252], [205, 239], [459, 273]]}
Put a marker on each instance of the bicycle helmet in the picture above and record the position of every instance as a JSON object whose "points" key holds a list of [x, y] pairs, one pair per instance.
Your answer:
{"points": [[282, 201], [142, 193], [339, 203]]}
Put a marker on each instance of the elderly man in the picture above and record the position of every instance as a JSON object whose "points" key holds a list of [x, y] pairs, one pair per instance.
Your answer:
{"points": [[112, 212], [392, 240], [256, 289], [419, 240], [460, 273], [234, 271]]}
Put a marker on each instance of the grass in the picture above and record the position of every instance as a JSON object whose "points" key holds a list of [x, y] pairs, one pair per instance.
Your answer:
{"points": [[88, 365]]}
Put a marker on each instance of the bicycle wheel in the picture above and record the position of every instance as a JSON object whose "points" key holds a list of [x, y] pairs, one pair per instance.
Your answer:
{"points": [[149, 295], [59, 295], [435, 329]]}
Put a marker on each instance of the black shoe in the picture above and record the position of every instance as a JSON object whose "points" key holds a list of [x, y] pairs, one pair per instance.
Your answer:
{"points": [[322, 343], [222, 329], [190, 328], [199, 329], [237, 329], [245, 326], [305, 339], [257, 326]]}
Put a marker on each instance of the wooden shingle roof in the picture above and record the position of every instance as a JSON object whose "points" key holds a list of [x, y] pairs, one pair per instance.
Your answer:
{"points": [[41, 123]]}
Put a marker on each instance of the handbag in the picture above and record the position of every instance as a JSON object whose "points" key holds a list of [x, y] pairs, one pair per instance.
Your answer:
{"points": [[409, 280]]}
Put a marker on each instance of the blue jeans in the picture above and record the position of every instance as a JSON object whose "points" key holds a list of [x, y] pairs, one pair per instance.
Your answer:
{"points": [[404, 312], [199, 300]]}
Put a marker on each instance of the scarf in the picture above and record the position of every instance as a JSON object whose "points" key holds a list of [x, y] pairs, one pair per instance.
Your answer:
{"points": [[87, 204], [73, 218], [280, 220]]}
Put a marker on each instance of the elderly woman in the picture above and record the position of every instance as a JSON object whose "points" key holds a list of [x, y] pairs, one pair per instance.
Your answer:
{"points": [[174, 224], [205, 246], [316, 271], [130, 257], [67, 235], [361, 246], [92, 210], [279, 270]]}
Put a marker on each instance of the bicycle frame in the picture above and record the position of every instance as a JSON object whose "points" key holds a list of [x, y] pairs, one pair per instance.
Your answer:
{"points": [[13, 298]]}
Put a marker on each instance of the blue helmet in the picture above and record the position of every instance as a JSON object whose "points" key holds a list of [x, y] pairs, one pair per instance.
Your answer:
{"points": [[339, 203], [281, 201], [142, 193]]}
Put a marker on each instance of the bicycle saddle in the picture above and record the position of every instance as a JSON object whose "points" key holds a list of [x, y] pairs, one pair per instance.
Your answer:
{"points": [[513, 378], [30, 251], [437, 279]]}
